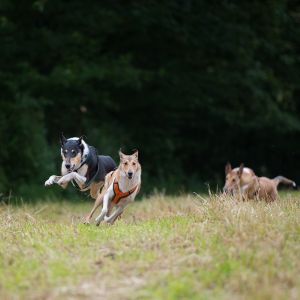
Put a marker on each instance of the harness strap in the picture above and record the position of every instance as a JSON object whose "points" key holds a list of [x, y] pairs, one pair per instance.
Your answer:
{"points": [[89, 182], [83, 161], [119, 194]]}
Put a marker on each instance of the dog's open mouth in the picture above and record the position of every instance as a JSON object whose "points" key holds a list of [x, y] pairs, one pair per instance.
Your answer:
{"points": [[71, 169]]}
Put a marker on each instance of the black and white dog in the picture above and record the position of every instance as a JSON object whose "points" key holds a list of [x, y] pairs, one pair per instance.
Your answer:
{"points": [[82, 165]]}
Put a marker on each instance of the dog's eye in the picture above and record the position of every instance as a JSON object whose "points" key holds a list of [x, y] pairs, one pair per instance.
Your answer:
{"points": [[133, 163], [233, 180], [65, 151], [125, 163], [73, 152]]}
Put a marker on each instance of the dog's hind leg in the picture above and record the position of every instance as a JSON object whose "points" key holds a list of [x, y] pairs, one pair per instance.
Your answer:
{"points": [[97, 203], [95, 189]]}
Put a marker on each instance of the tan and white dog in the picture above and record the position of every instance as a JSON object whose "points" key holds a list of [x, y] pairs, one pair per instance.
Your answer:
{"points": [[243, 181], [120, 188]]}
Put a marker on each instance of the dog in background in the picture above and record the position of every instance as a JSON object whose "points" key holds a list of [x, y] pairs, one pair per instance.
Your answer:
{"points": [[120, 188], [243, 181], [82, 166]]}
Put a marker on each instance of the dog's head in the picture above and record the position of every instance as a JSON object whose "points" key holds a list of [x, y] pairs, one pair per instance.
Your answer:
{"points": [[233, 178], [71, 152], [129, 164]]}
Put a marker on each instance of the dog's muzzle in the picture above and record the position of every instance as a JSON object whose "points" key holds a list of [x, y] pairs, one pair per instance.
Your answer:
{"points": [[70, 168], [226, 190]]}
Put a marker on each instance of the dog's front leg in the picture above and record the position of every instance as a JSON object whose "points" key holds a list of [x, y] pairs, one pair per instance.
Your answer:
{"points": [[52, 179], [112, 218], [64, 180], [107, 196], [80, 180]]}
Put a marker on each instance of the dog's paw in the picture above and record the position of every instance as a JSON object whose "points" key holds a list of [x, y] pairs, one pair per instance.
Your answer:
{"points": [[50, 181], [98, 220], [107, 222], [86, 221]]}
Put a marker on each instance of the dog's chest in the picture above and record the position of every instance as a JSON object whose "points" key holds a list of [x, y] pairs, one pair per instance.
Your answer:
{"points": [[83, 170]]}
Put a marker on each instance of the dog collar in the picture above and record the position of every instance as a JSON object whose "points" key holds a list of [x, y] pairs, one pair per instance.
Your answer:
{"points": [[84, 159]]}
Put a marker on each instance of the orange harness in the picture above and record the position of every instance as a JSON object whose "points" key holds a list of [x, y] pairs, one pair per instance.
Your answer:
{"points": [[119, 194]]}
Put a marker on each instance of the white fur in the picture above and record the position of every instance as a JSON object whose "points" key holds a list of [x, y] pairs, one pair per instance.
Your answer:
{"points": [[86, 149], [52, 179], [66, 177], [107, 196], [72, 176], [246, 170], [125, 185]]}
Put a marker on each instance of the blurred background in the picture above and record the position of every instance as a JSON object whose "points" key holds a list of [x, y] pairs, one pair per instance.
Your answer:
{"points": [[191, 84]]}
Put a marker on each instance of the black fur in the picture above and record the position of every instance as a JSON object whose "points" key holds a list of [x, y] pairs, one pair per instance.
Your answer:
{"points": [[71, 148], [98, 165]]}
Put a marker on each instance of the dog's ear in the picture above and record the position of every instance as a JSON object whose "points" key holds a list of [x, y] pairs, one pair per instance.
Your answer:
{"points": [[228, 168], [79, 141], [121, 154], [135, 153], [62, 139], [240, 171]]}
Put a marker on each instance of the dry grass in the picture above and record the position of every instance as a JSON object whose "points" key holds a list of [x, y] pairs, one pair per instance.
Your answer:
{"points": [[188, 247]]}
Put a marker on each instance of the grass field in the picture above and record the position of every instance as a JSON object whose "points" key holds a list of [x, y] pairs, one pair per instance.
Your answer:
{"points": [[188, 247]]}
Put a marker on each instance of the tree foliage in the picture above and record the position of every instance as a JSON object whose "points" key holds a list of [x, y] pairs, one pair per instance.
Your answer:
{"points": [[192, 84]]}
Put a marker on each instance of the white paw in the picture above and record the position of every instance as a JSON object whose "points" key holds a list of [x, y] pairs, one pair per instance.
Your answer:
{"points": [[98, 220], [49, 181]]}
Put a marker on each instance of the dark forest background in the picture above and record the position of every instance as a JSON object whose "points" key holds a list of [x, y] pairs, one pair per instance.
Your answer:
{"points": [[191, 84]]}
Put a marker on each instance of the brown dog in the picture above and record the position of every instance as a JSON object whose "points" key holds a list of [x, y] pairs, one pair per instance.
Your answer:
{"points": [[243, 181], [120, 188]]}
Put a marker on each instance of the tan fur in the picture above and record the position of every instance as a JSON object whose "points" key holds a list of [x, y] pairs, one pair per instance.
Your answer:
{"points": [[236, 178], [127, 163], [95, 189], [99, 198], [251, 186], [76, 160]]}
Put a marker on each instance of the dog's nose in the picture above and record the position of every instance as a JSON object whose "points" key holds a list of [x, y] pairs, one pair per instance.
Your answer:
{"points": [[130, 174], [68, 166]]}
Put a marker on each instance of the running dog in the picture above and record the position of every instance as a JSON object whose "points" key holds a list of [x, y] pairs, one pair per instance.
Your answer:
{"points": [[120, 188], [243, 181], [81, 165]]}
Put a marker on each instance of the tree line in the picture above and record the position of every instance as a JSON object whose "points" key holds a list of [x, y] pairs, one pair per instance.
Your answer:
{"points": [[191, 84]]}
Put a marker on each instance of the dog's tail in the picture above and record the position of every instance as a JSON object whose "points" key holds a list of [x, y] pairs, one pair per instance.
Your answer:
{"points": [[280, 179]]}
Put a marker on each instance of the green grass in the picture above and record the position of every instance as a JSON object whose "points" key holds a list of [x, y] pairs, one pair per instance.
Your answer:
{"points": [[189, 247]]}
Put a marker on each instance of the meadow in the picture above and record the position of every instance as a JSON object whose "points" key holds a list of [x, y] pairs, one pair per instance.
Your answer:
{"points": [[184, 247]]}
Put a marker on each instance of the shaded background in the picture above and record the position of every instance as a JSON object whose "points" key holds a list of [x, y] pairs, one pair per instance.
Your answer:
{"points": [[191, 84]]}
